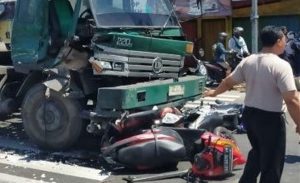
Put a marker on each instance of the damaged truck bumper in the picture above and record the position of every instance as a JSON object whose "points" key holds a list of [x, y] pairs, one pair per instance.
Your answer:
{"points": [[113, 101]]}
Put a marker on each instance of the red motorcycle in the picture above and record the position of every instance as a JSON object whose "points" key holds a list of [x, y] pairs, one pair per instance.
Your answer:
{"points": [[132, 143], [213, 157]]}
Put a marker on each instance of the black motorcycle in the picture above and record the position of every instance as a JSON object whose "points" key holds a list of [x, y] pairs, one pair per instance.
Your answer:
{"points": [[220, 118], [234, 58], [216, 73]]}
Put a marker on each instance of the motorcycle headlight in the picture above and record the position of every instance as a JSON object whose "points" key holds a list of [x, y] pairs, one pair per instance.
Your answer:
{"points": [[199, 70], [202, 69]]}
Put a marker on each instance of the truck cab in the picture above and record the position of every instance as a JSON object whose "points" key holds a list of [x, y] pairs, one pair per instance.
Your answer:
{"points": [[95, 60]]}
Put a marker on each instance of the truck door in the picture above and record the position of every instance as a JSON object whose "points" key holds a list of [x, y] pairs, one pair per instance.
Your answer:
{"points": [[30, 33]]}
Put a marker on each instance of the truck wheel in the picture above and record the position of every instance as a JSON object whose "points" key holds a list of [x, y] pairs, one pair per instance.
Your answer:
{"points": [[52, 123], [224, 132]]}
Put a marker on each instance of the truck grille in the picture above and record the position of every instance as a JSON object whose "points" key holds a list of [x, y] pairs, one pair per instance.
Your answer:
{"points": [[142, 64]]}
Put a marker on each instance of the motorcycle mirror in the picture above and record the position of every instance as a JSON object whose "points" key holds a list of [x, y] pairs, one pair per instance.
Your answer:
{"points": [[171, 118]]}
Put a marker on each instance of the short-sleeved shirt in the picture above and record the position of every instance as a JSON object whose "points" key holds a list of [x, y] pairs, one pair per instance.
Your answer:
{"points": [[267, 76]]}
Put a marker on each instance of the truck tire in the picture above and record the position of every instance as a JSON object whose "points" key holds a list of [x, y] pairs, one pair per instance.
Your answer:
{"points": [[52, 123]]}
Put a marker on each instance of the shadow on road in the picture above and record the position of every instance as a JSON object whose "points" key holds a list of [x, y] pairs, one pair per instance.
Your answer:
{"points": [[291, 159]]}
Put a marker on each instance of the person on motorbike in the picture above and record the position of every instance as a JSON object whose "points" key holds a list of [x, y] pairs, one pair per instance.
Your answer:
{"points": [[289, 52], [285, 31], [237, 42], [292, 55], [292, 52], [220, 52]]}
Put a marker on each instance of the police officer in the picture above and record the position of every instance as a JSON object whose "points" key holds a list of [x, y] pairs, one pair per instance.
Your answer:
{"points": [[269, 80]]}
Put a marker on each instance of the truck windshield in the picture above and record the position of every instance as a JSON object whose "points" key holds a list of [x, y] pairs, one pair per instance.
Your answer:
{"points": [[133, 13]]}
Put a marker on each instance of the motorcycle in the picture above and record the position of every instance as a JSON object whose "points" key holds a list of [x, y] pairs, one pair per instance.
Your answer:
{"points": [[145, 149], [216, 73], [142, 144], [133, 142], [213, 157], [210, 117], [234, 58], [220, 118]]}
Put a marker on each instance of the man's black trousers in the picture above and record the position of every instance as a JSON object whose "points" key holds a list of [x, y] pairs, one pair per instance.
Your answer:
{"points": [[267, 135]]}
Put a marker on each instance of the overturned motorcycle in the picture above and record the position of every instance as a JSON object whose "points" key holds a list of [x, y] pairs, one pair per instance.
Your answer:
{"points": [[213, 157], [219, 117], [147, 140]]}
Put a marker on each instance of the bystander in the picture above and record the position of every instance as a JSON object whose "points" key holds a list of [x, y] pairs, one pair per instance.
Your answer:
{"points": [[269, 80]]}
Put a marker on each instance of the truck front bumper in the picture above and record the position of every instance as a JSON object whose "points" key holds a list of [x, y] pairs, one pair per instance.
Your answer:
{"points": [[143, 96]]}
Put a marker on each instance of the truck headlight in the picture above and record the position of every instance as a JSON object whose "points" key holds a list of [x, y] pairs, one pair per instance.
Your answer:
{"points": [[98, 65], [105, 61], [106, 65]]}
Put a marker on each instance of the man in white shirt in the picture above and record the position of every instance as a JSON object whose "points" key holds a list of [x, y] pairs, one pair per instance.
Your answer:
{"points": [[269, 82], [237, 42]]}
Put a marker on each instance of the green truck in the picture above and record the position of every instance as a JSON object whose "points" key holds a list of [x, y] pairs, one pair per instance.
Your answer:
{"points": [[85, 63]]}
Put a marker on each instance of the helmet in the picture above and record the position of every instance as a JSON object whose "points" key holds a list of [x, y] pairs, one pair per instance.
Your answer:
{"points": [[238, 29], [291, 35], [223, 34]]}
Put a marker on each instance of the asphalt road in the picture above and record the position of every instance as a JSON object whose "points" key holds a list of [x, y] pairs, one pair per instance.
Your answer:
{"points": [[21, 161]]}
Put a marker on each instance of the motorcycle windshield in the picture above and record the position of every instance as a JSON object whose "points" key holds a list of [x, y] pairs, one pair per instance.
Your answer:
{"points": [[133, 13]]}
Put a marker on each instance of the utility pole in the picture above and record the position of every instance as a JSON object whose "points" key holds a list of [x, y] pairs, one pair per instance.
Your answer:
{"points": [[254, 23]]}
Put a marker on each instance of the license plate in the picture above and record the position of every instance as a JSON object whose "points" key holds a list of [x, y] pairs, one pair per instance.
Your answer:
{"points": [[176, 90]]}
